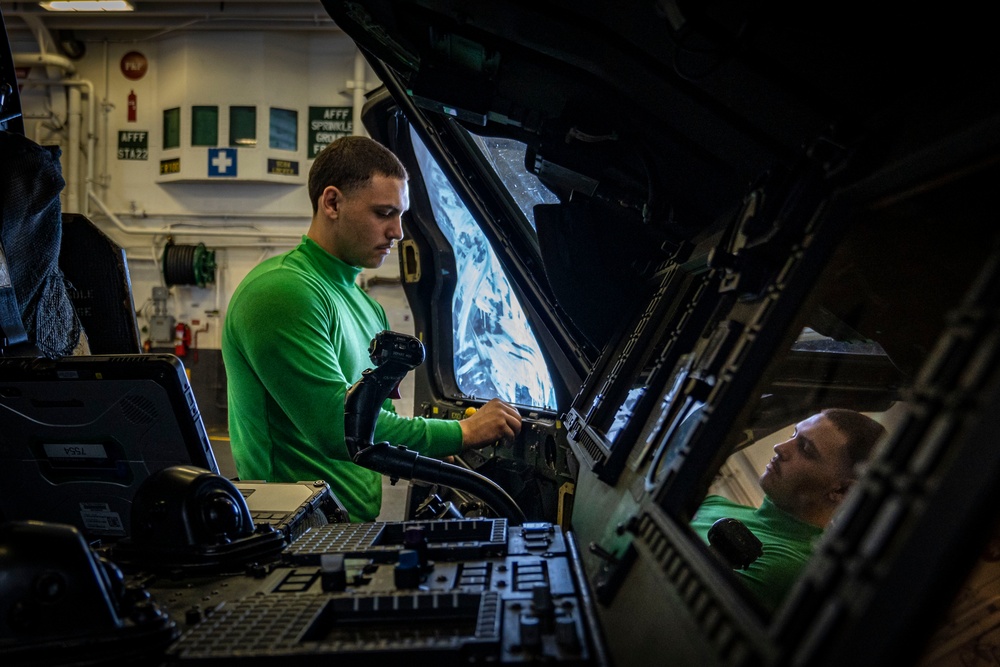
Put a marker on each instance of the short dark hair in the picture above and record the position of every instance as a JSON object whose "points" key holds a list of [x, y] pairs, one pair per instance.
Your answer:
{"points": [[862, 433], [350, 163]]}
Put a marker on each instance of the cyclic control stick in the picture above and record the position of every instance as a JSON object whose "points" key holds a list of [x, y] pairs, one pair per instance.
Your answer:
{"points": [[394, 355]]}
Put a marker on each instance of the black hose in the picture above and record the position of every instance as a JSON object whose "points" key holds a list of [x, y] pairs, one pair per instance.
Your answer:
{"points": [[178, 264], [188, 264], [401, 463]]}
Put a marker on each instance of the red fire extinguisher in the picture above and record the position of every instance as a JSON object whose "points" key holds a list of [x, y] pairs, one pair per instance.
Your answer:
{"points": [[132, 106], [182, 339]]}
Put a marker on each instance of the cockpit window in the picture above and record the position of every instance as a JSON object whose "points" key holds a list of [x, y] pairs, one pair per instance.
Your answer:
{"points": [[506, 158], [811, 340], [495, 350]]}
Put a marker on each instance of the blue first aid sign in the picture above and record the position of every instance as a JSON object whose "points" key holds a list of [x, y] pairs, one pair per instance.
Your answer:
{"points": [[222, 162]]}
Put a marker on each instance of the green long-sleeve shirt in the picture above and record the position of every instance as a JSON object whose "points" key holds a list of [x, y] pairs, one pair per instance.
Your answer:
{"points": [[295, 338], [786, 542]]}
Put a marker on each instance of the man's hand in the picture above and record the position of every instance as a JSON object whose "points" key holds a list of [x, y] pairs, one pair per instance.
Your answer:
{"points": [[492, 423]]}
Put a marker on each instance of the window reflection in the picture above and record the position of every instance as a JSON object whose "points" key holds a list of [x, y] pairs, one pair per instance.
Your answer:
{"points": [[786, 488], [495, 350], [824, 410]]}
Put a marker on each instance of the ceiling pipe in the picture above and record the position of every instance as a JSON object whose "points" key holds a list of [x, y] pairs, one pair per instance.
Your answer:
{"points": [[194, 215], [72, 186], [200, 231], [45, 60], [52, 62], [358, 88], [75, 122]]}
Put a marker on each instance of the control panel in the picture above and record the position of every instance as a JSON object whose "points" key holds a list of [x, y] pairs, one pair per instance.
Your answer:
{"points": [[465, 591]]}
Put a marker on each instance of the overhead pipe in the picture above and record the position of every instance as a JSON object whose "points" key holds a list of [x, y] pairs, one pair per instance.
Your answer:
{"points": [[185, 215], [75, 123], [219, 16], [358, 88], [52, 61], [132, 229], [45, 60]]}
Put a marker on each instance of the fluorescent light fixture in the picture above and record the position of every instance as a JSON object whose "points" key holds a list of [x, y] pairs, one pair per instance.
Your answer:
{"points": [[87, 6]]}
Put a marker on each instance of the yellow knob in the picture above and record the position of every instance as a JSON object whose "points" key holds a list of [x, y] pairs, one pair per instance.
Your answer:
{"points": [[469, 411]]}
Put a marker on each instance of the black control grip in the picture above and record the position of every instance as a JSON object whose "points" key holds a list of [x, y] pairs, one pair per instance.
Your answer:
{"points": [[734, 542]]}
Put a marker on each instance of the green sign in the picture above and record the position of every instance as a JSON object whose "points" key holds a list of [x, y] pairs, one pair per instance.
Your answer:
{"points": [[327, 124], [133, 145]]}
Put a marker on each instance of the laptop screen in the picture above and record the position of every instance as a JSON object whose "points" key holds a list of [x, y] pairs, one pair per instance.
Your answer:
{"points": [[78, 435]]}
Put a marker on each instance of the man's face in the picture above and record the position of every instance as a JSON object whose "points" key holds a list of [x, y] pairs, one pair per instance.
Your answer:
{"points": [[808, 470], [368, 221]]}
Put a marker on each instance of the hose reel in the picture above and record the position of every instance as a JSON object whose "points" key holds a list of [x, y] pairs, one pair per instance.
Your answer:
{"points": [[188, 264]]}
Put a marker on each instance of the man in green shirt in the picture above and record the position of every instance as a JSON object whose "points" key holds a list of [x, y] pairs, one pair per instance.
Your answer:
{"points": [[804, 484], [297, 332]]}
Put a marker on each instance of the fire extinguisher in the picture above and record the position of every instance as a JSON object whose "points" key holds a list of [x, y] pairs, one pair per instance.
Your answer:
{"points": [[182, 339], [132, 106]]}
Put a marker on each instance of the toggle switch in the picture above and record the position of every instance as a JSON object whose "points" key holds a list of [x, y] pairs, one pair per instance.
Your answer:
{"points": [[407, 572], [566, 635], [543, 606], [531, 631], [333, 573]]}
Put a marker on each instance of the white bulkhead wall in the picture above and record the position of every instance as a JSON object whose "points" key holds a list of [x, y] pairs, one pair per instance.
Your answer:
{"points": [[244, 220]]}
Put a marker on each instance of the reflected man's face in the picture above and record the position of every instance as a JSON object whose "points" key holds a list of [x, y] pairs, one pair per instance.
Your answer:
{"points": [[809, 472]]}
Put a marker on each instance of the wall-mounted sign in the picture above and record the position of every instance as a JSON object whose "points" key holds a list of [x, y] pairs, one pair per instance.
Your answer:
{"points": [[327, 124], [134, 65], [283, 167], [133, 145], [171, 166], [221, 161]]}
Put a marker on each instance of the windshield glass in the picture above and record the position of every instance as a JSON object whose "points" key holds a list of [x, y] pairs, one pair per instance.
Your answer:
{"points": [[495, 350], [506, 158]]}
